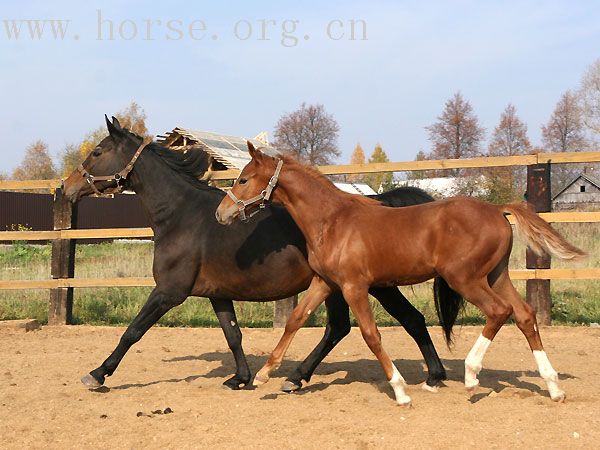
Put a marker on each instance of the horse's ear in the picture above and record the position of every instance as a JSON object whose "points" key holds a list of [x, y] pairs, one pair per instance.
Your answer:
{"points": [[114, 127], [254, 153], [116, 122]]}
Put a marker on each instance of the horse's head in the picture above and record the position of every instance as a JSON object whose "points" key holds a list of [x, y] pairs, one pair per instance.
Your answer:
{"points": [[106, 167], [252, 189]]}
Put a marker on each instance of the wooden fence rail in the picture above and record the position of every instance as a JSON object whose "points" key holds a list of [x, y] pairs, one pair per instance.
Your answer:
{"points": [[124, 233], [538, 273], [517, 274], [408, 166]]}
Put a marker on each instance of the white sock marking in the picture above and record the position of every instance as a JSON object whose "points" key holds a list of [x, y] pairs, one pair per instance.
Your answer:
{"points": [[549, 375], [473, 361], [397, 382]]}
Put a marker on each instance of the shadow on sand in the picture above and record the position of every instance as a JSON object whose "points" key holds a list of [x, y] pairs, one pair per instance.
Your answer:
{"points": [[361, 371]]}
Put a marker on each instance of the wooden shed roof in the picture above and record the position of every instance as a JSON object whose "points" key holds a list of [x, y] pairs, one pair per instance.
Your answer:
{"points": [[231, 151], [585, 176]]}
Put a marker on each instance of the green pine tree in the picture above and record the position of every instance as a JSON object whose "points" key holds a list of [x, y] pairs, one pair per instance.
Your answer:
{"points": [[381, 180]]}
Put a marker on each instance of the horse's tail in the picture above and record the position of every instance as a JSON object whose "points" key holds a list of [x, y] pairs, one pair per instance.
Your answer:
{"points": [[538, 233], [448, 304]]}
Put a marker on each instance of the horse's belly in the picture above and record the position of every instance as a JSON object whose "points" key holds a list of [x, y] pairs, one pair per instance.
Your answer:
{"points": [[398, 265]]}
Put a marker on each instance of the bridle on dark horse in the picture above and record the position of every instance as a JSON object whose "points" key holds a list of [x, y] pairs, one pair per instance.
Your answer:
{"points": [[261, 198], [118, 177]]}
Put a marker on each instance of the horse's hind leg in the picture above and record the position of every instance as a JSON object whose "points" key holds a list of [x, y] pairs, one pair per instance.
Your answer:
{"points": [[413, 322], [496, 311], [316, 294], [338, 326], [358, 299], [525, 319], [156, 306], [231, 329]]}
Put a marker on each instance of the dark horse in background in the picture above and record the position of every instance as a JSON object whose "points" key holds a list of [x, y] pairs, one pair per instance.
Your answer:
{"points": [[263, 260]]}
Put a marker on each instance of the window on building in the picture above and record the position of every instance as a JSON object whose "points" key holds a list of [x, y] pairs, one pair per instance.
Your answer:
{"points": [[581, 188]]}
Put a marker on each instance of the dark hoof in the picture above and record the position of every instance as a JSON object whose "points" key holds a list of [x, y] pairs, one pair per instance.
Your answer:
{"points": [[435, 380], [290, 386], [235, 384], [90, 382]]}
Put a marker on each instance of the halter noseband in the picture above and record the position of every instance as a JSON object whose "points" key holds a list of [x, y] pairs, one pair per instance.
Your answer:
{"points": [[117, 177], [261, 198]]}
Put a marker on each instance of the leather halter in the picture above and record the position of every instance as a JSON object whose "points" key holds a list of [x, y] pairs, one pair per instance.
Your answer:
{"points": [[117, 177], [261, 198]]}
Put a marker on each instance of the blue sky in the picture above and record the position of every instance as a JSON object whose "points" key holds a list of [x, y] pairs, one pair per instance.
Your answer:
{"points": [[384, 89]]}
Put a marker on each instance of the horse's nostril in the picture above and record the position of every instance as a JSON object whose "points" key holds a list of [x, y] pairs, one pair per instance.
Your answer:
{"points": [[217, 215]]}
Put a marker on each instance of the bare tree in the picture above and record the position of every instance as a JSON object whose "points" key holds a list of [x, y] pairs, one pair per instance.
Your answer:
{"points": [[510, 136], [358, 157], [457, 133], [37, 163], [589, 92], [565, 132], [505, 184], [309, 133]]}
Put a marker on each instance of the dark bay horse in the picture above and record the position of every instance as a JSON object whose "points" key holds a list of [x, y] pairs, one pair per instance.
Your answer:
{"points": [[354, 243], [193, 255]]}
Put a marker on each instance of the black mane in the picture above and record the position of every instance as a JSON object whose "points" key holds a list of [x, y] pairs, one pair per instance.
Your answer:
{"points": [[190, 164]]}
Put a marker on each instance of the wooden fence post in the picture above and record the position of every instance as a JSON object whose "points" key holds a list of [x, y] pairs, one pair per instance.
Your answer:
{"points": [[282, 310], [63, 260], [539, 196]]}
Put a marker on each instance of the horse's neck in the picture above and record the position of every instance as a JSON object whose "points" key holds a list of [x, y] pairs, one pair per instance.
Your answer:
{"points": [[161, 191], [312, 203]]}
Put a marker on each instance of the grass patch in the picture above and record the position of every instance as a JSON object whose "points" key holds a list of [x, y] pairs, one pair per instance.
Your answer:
{"points": [[574, 302]]}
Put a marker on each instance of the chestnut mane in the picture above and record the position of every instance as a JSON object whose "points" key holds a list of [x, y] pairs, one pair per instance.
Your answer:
{"points": [[316, 175]]}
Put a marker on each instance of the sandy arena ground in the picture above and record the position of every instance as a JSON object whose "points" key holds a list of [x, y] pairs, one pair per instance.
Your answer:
{"points": [[348, 404]]}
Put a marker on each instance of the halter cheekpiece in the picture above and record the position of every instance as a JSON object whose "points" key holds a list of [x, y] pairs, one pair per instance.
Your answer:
{"points": [[261, 198], [117, 177]]}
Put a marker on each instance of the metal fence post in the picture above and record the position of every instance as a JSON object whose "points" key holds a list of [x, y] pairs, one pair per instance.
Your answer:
{"points": [[63, 261], [539, 196]]}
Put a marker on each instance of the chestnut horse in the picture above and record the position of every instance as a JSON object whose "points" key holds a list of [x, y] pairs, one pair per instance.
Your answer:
{"points": [[354, 242]]}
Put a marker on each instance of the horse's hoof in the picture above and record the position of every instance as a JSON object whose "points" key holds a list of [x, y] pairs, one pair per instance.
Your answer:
{"points": [[90, 382], [471, 385], [290, 386], [234, 384], [428, 388], [559, 397], [404, 401], [260, 379]]}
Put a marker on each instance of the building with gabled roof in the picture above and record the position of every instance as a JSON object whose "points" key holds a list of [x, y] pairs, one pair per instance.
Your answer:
{"points": [[581, 194]]}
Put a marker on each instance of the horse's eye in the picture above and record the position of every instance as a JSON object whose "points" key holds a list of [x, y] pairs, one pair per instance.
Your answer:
{"points": [[96, 152], [242, 181]]}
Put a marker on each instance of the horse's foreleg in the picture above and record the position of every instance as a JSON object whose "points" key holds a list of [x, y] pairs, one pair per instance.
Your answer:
{"points": [[396, 304], [338, 326], [358, 299], [316, 294], [229, 324], [156, 306]]}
